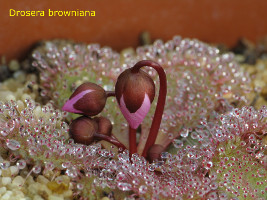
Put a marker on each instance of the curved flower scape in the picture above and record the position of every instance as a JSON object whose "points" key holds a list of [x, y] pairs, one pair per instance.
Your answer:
{"points": [[214, 150]]}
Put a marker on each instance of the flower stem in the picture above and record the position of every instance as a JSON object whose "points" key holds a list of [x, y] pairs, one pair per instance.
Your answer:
{"points": [[110, 93], [160, 104], [109, 139], [132, 140]]}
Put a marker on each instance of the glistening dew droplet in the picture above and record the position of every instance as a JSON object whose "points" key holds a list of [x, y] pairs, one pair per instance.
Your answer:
{"points": [[5, 164], [36, 169], [184, 132], [21, 164], [124, 186], [13, 144]]}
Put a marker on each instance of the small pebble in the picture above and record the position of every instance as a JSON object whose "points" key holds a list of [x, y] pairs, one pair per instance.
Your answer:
{"points": [[10, 97], [42, 179], [7, 195], [63, 178], [2, 190], [264, 92], [144, 38], [30, 180], [14, 170], [20, 76], [18, 194], [18, 181], [67, 194], [57, 188], [259, 83], [54, 197], [6, 180], [37, 111], [31, 77], [14, 65], [4, 94], [38, 188], [37, 197], [25, 96], [21, 105]]}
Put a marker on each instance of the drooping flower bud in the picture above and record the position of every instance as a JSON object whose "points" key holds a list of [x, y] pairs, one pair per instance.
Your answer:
{"points": [[104, 125], [88, 99], [83, 129], [135, 91]]}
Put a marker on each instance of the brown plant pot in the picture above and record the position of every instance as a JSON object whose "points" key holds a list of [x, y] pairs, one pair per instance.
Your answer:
{"points": [[119, 22]]}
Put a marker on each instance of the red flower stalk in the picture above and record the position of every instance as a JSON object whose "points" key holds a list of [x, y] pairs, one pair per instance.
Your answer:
{"points": [[160, 104], [154, 152]]}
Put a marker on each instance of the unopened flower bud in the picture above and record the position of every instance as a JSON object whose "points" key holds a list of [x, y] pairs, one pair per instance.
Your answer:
{"points": [[104, 125], [88, 99], [135, 91], [82, 130]]}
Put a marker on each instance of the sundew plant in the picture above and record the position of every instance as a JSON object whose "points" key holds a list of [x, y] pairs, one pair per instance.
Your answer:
{"points": [[165, 121]]}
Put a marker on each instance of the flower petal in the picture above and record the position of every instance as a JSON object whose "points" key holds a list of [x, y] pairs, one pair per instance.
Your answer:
{"points": [[135, 119], [69, 105]]}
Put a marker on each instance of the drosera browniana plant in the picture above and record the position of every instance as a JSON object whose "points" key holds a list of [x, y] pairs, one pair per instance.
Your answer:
{"points": [[199, 80], [134, 90], [205, 148]]}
